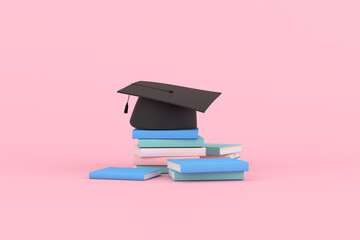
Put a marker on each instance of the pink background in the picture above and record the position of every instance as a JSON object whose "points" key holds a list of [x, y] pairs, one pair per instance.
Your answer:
{"points": [[290, 76]]}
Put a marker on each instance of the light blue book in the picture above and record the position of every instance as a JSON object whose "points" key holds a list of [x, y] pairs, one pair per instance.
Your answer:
{"points": [[207, 165], [221, 149], [163, 168], [176, 176], [171, 143], [165, 134], [117, 173]]}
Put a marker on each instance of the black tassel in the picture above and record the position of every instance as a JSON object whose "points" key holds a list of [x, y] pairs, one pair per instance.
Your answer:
{"points": [[127, 105]]}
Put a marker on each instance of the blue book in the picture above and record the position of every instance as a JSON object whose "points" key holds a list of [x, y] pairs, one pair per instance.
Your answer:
{"points": [[176, 176], [171, 143], [125, 173], [207, 165], [166, 134]]}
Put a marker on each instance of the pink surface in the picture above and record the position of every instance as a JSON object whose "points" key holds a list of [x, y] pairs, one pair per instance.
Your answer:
{"points": [[290, 77]]}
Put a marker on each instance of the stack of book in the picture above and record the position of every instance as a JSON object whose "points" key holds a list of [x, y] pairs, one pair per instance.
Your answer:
{"points": [[155, 147], [170, 108], [220, 163]]}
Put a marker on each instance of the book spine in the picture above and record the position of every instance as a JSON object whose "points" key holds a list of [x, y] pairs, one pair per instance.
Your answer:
{"points": [[168, 152], [164, 134], [194, 168], [171, 143], [116, 177], [206, 176], [212, 151]]}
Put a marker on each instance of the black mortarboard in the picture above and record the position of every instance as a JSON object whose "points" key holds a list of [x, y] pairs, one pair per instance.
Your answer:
{"points": [[163, 106]]}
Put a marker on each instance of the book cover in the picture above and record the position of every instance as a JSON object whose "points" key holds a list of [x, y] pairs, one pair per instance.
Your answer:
{"points": [[176, 176], [221, 149], [169, 152], [163, 168], [232, 155], [117, 173], [171, 143], [156, 160], [208, 165], [165, 134]]}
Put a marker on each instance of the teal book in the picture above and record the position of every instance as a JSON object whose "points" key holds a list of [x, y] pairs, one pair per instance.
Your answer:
{"points": [[171, 143], [117, 173], [221, 149], [176, 176], [163, 168]]}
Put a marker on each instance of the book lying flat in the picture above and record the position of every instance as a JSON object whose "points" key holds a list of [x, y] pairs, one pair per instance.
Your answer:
{"points": [[232, 155], [171, 143], [221, 149], [156, 160], [164, 169], [170, 152], [207, 165], [176, 176], [117, 173], [165, 134]]}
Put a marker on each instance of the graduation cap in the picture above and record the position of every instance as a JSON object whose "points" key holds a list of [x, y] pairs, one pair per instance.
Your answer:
{"points": [[163, 106]]}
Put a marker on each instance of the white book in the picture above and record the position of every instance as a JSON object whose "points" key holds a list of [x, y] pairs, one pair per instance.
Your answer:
{"points": [[169, 152]]}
